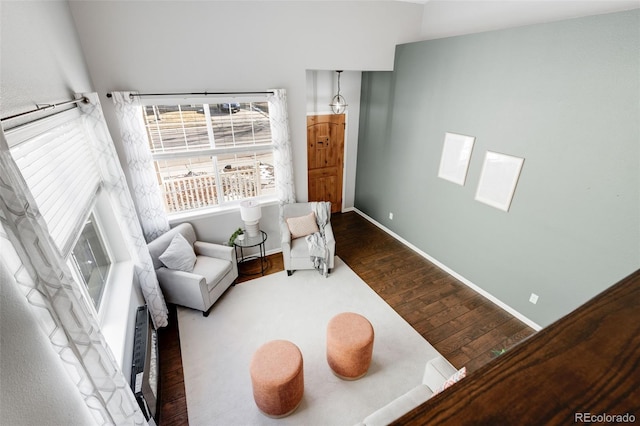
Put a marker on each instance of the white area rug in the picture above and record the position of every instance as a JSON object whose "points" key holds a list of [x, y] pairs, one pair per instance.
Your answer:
{"points": [[216, 350]]}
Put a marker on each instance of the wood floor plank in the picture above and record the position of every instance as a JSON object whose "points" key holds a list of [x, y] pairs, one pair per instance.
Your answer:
{"points": [[457, 325], [461, 324], [465, 337], [459, 297]]}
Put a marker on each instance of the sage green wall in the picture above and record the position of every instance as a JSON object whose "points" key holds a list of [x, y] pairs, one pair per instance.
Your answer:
{"points": [[565, 96]]}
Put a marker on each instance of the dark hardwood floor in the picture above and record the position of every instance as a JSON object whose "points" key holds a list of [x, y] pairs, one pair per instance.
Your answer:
{"points": [[586, 362], [463, 326]]}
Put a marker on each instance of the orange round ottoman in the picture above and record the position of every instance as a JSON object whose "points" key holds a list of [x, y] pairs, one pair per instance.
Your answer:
{"points": [[349, 345], [277, 378]]}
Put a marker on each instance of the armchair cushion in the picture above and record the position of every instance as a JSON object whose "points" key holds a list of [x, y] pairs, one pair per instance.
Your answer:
{"points": [[211, 269], [301, 226], [300, 248], [179, 255]]}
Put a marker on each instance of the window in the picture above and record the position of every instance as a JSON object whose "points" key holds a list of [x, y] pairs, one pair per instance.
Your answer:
{"points": [[211, 154], [91, 260], [101, 264]]}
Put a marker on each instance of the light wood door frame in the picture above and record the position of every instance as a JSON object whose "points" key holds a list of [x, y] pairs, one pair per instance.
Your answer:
{"points": [[325, 158]]}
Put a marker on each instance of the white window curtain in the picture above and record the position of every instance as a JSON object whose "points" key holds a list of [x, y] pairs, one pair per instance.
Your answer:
{"points": [[282, 152], [30, 254], [115, 184], [145, 188]]}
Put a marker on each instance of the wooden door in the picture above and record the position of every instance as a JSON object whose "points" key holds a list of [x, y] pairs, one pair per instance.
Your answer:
{"points": [[325, 158]]}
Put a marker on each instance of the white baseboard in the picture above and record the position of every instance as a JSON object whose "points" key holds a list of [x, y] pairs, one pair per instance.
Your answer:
{"points": [[273, 251], [451, 272]]}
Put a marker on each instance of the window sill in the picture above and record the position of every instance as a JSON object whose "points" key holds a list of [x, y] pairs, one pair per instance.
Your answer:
{"points": [[177, 218], [114, 312]]}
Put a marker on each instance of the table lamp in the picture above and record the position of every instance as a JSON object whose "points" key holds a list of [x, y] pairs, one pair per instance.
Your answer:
{"points": [[250, 212]]}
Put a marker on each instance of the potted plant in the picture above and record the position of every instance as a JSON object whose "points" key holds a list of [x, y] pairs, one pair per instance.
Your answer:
{"points": [[235, 235]]}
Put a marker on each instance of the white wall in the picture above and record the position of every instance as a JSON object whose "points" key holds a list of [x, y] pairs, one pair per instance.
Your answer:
{"points": [[35, 388], [238, 46], [40, 56]]}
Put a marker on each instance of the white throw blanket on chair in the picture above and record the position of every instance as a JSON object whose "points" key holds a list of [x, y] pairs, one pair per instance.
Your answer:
{"points": [[317, 241]]}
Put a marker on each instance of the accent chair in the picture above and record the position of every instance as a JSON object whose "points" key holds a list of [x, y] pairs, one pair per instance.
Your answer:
{"points": [[192, 273], [295, 251]]}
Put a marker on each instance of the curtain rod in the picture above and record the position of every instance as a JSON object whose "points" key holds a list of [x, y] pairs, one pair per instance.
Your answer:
{"points": [[109, 95], [45, 107]]}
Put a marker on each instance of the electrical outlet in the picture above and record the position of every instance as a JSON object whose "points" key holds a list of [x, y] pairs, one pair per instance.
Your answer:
{"points": [[390, 216], [533, 298]]}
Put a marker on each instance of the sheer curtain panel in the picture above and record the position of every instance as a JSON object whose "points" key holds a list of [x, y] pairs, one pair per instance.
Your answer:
{"points": [[144, 183], [282, 153]]}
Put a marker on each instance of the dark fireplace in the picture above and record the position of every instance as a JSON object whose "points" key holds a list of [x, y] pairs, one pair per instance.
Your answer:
{"points": [[145, 372]]}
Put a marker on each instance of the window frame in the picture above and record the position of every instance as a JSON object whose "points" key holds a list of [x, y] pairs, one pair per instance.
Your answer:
{"points": [[74, 262], [115, 247], [213, 152]]}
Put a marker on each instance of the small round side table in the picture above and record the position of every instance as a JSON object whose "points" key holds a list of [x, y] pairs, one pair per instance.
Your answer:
{"points": [[249, 242]]}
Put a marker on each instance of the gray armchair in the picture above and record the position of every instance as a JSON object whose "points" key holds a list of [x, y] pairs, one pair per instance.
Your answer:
{"points": [[295, 251], [214, 271]]}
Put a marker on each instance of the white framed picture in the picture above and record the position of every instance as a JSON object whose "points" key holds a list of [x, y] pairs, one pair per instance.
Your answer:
{"points": [[456, 153], [498, 179]]}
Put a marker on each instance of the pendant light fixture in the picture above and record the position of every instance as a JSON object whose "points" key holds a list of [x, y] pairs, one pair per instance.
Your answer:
{"points": [[338, 104]]}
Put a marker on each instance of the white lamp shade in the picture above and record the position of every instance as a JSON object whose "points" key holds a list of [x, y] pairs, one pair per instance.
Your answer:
{"points": [[250, 211]]}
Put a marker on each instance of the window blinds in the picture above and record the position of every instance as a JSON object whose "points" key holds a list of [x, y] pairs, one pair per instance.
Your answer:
{"points": [[57, 160]]}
